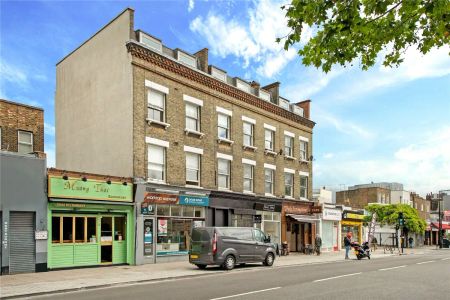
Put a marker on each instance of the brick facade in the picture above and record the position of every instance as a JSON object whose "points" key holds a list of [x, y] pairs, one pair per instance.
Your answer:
{"points": [[16, 117], [361, 197], [421, 205]]}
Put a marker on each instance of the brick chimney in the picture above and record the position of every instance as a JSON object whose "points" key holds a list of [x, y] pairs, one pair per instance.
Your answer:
{"points": [[305, 104], [202, 56], [274, 90]]}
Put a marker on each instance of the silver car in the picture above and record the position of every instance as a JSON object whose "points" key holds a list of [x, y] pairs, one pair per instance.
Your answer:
{"points": [[228, 246]]}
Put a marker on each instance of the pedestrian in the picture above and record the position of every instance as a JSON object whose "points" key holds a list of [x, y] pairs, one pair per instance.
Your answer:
{"points": [[374, 243], [318, 244], [347, 244], [411, 242]]}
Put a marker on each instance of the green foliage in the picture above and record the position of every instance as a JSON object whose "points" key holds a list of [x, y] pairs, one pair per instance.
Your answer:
{"points": [[350, 29], [388, 215]]}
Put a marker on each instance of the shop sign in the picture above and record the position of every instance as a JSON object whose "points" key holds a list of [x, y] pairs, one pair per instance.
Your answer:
{"points": [[40, 235], [331, 214], [76, 188], [147, 209], [77, 205], [348, 215], [148, 237], [267, 207], [297, 209], [257, 219], [160, 198], [193, 200], [316, 209]]}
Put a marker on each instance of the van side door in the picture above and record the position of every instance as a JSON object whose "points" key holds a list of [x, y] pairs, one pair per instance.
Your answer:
{"points": [[261, 245]]}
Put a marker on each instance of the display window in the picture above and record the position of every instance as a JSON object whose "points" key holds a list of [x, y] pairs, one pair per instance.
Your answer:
{"points": [[74, 229]]}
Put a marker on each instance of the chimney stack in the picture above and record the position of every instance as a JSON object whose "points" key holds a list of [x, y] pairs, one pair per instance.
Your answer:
{"points": [[305, 104], [274, 90], [202, 57]]}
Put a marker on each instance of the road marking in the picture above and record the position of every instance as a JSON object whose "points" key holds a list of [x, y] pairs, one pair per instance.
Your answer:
{"points": [[446, 258], [249, 293], [426, 262], [392, 268], [329, 278]]}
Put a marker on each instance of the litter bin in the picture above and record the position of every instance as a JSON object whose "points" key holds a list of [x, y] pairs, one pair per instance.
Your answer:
{"points": [[446, 243]]}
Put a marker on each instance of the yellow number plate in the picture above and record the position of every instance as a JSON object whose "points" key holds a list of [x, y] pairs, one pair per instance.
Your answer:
{"points": [[194, 256]]}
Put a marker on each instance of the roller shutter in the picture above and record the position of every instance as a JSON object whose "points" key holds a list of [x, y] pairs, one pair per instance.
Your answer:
{"points": [[22, 243]]}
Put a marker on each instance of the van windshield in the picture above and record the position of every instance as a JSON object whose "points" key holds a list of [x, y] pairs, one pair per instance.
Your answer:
{"points": [[200, 235]]}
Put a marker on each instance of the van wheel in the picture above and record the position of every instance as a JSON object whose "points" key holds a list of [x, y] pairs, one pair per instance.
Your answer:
{"points": [[269, 260], [229, 263], [201, 267]]}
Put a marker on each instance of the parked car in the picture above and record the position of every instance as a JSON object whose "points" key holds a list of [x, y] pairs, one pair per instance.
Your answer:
{"points": [[228, 246]]}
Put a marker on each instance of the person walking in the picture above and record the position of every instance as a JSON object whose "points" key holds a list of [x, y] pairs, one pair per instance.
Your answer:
{"points": [[318, 244], [411, 242], [347, 244]]}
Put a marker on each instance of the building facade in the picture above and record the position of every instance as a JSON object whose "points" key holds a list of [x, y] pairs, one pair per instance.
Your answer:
{"points": [[360, 197], [21, 127], [180, 126]]}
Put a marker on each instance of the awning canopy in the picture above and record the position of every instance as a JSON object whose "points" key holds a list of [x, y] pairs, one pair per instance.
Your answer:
{"points": [[303, 218], [444, 226]]}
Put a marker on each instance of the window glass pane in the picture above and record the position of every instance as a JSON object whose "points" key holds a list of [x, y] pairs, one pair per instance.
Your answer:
{"points": [[288, 178], [248, 185], [188, 211], [24, 148], [248, 171], [79, 230], [192, 111], [163, 210], [67, 229], [119, 228], [223, 121], [199, 212], [192, 161], [248, 141], [223, 166], [192, 124], [56, 230], [175, 210], [276, 216], [223, 181], [156, 98], [92, 229], [222, 132], [155, 154], [25, 137], [248, 128]]}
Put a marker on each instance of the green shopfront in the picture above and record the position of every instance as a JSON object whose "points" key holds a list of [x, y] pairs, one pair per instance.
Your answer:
{"points": [[90, 221]]}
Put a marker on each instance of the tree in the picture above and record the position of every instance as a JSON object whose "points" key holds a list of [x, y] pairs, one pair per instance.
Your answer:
{"points": [[388, 215], [349, 29]]}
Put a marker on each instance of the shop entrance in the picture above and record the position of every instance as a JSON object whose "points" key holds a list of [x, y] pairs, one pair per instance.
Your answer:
{"points": [[106, 240]]}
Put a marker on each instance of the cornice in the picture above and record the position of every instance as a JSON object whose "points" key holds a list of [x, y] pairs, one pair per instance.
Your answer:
{"points": [[163, 62]]}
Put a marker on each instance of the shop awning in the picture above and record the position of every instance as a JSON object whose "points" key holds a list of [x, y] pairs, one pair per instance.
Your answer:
{"points": [[303, 218], [444, 226]]}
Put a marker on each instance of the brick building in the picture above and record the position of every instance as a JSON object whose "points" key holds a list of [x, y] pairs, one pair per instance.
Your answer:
{"points": [[180, 126], [360, 197], [422, 206], [21, 127]]}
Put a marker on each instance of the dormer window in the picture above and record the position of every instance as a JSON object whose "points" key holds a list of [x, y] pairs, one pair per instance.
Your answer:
{"points": [[297, 110], [216, 73], [264, 95], [242, 85], [150, 41], [284, 103], [186, 59]]}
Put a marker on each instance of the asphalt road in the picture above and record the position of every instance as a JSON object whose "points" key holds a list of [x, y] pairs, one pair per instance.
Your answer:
{"points": [[406, 277]]}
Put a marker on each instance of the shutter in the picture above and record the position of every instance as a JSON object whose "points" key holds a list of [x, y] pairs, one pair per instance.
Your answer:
{"points": [[22, 243]]}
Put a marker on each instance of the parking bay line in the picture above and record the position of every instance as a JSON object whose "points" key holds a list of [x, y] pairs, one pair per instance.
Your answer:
{"points": [[392, 268], [335, 277], [425, 262], [248, 293]]}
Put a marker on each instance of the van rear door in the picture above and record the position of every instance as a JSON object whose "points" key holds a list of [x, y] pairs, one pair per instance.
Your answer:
{"points": [[201, 247]]}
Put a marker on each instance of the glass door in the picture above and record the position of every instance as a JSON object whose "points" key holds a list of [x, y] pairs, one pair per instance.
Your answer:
{"points": [[106, 238]]}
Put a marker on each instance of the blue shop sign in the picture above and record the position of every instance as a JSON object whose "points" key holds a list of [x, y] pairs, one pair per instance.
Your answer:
{"points": [[193, 200]]}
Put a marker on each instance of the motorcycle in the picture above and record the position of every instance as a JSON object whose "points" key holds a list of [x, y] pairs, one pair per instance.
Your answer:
{"points": [[361, 251]]}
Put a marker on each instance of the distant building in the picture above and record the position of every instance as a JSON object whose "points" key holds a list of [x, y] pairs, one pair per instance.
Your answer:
{"points": [[324, 195], [360, 197], [21, 127]]}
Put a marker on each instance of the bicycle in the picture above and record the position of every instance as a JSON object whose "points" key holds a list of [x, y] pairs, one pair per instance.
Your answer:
{"points": [[389, 248]]}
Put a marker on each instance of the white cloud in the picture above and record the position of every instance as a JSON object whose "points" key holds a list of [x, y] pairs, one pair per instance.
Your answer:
{"points": [[49, 129], [12, 74], [422, 166], [252, 40], [191, 5], [328, 155], [50, 152]]}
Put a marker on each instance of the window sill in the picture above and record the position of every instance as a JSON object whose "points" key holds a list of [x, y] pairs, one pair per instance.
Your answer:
{"points": [[304, 161], [270, 152], [194, 132], [269, 195], [288, 157], [289, 197], [225, 141], [223, 189], [252, 148], [304, 199], [149, 180], [248, 192], [163, 124], [194, 186]]}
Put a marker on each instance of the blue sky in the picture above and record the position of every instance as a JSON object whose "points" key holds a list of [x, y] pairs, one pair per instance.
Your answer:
{"points": [[380, 125]]}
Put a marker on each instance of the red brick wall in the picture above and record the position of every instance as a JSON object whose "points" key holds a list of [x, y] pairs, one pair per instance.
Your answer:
{"points": [[15, 117]]}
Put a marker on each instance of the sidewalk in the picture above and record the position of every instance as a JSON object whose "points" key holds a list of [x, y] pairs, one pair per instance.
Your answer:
{"points": [[74, 279]]}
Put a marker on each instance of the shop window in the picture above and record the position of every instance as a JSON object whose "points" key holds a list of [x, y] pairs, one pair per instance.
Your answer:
{"points": [[91, 229], [163, 210], [199, 212], [188, 211], [67, 229], [267, 216], [119, 228], [175, 210], [173, 236], [276, 216], [56, 229], [242, 220], [79, 229]]}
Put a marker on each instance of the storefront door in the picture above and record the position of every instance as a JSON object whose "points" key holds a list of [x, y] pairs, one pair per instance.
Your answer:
{"points": [[106, 240]]}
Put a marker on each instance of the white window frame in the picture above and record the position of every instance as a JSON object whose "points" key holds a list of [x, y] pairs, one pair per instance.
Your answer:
{"points": [[197, 120], [228, 128], [303, 149], [154, 43], [164, 164], [291, 148], [25, 143], [198, 170], [291, 195], [304, 189], [272, 183], [251, 178], [252, 134], [186, 59], [218, 74], [240, 84], [264, 95], [271, 141], [228, 175]]}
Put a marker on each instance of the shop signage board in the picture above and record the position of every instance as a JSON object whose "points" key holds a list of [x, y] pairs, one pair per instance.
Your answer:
{"points": [[316, 209], [348, 215], [176, 199], [147, 208], [332, 214], [76, 188], [40, 234], [303, 209], [268, 207]]}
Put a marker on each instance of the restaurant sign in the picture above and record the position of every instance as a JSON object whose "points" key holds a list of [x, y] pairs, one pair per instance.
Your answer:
{"points": [[347, 215], [332, 214], [76, 188], [176, 199], [302, 209]]}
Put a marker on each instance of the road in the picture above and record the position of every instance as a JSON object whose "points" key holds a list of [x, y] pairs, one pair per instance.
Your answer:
{"points": [[399, 277]]}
